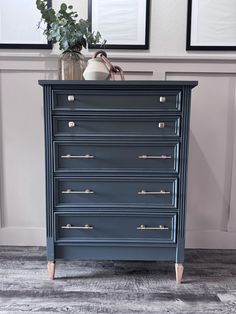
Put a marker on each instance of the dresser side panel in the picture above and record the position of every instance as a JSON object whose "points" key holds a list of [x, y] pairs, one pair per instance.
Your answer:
{"points": [[183, 167], [48, 170]]}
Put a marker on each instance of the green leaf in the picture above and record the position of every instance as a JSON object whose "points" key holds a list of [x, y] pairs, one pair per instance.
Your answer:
{"points": [[63, 7]]}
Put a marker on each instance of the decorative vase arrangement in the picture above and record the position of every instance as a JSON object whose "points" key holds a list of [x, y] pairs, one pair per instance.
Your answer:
{"points": [[72, 35], [98, 67], [101, 68], [71, 65]]}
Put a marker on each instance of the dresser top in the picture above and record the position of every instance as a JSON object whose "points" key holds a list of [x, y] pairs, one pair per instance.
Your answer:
{"points": [[128, 83]]}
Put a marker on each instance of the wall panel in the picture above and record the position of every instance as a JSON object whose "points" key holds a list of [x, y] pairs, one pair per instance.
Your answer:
{"points": [[211, 215]]}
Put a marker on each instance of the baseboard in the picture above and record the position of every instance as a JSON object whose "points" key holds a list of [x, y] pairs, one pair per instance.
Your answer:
{"points": [[23, 236], [210, 239], [202, 239]]}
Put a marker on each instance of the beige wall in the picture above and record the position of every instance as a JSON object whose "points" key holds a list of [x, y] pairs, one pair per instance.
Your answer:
{"points": [[211, 219]]}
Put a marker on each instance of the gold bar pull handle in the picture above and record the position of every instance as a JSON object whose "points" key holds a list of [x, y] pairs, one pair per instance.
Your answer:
{"points": [[160, 227], [154, 157], [71, 98], [85, 227], [161, 192], [69, 156], [69, 191]]}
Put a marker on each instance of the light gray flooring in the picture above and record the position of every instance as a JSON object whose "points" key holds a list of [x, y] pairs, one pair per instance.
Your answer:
{"points": [[209, 284]]}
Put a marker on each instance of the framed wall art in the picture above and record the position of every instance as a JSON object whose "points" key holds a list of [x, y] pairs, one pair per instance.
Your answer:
{"points": [[211, 25], [18, 25], [123, 23]]}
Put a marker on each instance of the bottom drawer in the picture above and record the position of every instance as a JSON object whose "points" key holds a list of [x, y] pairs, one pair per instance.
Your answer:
{"points": [[115, 251], [100, 227]]}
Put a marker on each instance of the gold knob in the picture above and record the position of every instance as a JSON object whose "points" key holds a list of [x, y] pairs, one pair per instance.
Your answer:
{"points": [[71, 98], [162, 99], [71, 124], [161, 125]]}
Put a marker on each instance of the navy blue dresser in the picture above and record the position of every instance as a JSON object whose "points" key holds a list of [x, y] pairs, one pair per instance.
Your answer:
{"points": [[116, 168]]}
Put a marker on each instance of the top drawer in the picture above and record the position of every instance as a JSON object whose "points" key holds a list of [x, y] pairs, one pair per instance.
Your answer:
{"points": [[114, 101]]}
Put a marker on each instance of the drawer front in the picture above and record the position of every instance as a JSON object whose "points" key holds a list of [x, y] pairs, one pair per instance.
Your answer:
{"points": [[129, 101], [111, 156], [116, 126], [113, 228], [82, 191]]}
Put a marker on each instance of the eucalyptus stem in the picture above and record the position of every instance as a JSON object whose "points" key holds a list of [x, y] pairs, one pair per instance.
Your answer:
{"points": [[63, 27]]}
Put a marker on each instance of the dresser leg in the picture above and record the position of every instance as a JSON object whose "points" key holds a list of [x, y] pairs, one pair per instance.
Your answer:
{"points": [[179, 269], [51, 270]]}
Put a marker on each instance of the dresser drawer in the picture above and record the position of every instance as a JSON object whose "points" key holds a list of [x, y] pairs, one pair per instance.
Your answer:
{"points": [[113, 156], [113, 228], [116, 126], [160, 100], [78, 191]]}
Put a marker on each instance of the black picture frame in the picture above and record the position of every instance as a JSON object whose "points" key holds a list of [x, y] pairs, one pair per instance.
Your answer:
{"points": [[191, 47], [48, 45], [144, 46]]}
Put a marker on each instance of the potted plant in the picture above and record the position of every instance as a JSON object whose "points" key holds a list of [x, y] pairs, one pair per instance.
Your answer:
{"points": [[72, 35]]}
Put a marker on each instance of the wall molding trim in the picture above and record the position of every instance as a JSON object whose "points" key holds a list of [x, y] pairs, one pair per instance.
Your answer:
{"points": [[23, 236], [135, 63], [160, 67], [127, 56], [210, 239]]}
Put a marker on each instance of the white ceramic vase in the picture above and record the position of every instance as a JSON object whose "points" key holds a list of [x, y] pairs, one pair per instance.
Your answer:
{"points": [[96, 70]]}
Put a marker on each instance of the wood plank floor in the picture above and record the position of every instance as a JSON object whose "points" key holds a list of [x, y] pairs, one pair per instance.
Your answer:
{"points": [[209, 284]]}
